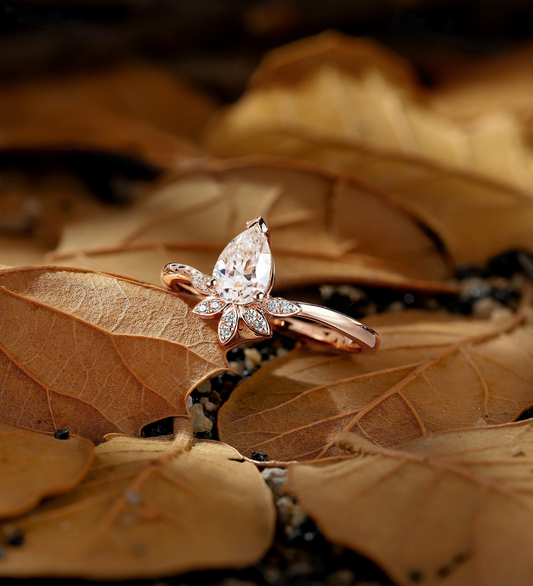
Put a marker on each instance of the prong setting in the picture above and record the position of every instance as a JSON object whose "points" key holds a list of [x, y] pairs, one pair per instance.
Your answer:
{"points": [[240, 286]]}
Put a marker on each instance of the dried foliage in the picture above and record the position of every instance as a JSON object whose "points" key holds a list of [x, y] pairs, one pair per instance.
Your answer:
{"points": [[429, 375], [364, 177], [134, 110], [97, 354], [141, 512], [352, 89], [34, 465], [451, 509], [325, 228], [35, 209], [467, 87], [462, 208]]}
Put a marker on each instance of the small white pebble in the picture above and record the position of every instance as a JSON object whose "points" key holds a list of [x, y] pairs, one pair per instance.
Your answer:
{"points": [[484, 308], [474, 287], [518, 280], [500, 315], [199, 421], [281, 352], [238, 366], [189, 402], [344, 577], [274, 477], [252, 358], [290, 512], [204, 388], [396, 306], [353, 293], [326, 291]]}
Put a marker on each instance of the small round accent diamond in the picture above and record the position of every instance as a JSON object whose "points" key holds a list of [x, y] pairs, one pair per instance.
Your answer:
{"points": [[273, 306], [286, 307]]}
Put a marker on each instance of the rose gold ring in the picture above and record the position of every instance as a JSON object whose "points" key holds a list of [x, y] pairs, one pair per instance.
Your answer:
{"points": [[239, 291]]}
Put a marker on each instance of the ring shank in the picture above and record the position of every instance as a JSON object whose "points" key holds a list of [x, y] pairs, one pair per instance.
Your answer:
{"points": [[330, 328], [314, 323]]}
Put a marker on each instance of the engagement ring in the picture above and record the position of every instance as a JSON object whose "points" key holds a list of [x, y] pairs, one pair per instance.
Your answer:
{"points": [[239, 292]]}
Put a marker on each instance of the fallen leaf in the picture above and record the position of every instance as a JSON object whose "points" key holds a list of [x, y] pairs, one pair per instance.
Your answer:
{"points": [[35, 465], [21, 251], [461, 207], [429, 375], [147, 509], [467, 86], [341, 88], [96, 353], [34, 210], [136, 110], [325, 227], [453, 509]]}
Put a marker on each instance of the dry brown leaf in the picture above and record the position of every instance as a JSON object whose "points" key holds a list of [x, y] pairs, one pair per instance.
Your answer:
{"points": [[462, 208], [325, 228], [97, 354], [16, 252], [149, 508], [34, 210], [454, 509], [468, 86], [136, 110], [35, 465], [429, 375], [349, 89]]}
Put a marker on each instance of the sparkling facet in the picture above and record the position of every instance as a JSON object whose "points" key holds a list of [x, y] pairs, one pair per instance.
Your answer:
{"points": [[281, 307], [286, 307], [251, 315], [273, 306], [244, 267]]}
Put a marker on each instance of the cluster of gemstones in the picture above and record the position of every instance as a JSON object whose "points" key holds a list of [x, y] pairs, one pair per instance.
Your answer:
{"points": [[240, 286]]}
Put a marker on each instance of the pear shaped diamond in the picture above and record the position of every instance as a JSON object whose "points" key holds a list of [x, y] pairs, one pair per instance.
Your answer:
{"points": [[245, 267]]}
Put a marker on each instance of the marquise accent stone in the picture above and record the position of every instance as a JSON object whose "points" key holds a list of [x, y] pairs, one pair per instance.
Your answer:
{"points": [[279, 307], [227, 326], [244, 268], [210, 306], [256, 321]]}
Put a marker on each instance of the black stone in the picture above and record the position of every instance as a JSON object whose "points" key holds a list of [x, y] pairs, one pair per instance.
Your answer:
{"points": [[259, 457], [211, 416], [204, 435], [236, 354], [505, 264], [467, 272], [62, 434], [16, 539], [162, 427]]}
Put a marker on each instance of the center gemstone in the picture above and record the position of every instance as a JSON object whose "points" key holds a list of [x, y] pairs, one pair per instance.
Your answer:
{"points": [[244, 267]]}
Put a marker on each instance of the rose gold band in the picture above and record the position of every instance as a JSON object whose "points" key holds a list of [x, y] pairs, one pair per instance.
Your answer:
{"points": [[313, 323], [331, 329]]}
